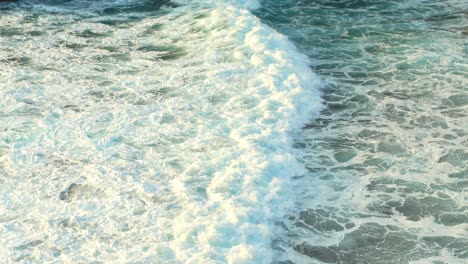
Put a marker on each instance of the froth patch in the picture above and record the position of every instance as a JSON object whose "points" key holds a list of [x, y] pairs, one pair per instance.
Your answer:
{"points": [[244, 4], [185, 159], [252, 188], [246, 254]]}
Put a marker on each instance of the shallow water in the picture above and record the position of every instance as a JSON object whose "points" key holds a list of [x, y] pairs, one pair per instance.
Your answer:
{"points": [[148, 131], [387, 158]]}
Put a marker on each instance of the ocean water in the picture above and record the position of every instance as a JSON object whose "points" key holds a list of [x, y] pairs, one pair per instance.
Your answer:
{"points": [[154, 131], [387, 158]]}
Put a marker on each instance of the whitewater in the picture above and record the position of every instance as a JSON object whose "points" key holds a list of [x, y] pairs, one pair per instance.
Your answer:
{"points": [[274, 131], [136, 131]]}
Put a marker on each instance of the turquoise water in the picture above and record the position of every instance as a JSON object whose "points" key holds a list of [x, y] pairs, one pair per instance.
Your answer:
{"points": [[387, 158], [143, 131]]}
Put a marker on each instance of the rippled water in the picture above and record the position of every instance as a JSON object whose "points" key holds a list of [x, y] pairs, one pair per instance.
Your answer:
{"points": [[153, 131], [387, 159]]}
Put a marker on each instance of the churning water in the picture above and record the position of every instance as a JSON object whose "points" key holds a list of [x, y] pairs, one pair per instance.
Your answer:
{"points": [[152, 131], [387, 158]]}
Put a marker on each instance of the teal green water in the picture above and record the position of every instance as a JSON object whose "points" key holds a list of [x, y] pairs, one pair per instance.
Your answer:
{"points": [[388, 158], [156, 131]]}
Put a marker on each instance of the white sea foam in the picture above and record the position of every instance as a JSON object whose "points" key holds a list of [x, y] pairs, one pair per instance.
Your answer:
{"points": [[162, 139], [387, 158]]}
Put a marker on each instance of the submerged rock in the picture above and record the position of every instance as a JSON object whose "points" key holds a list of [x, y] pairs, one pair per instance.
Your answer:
{"points": [[68, 193]]}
